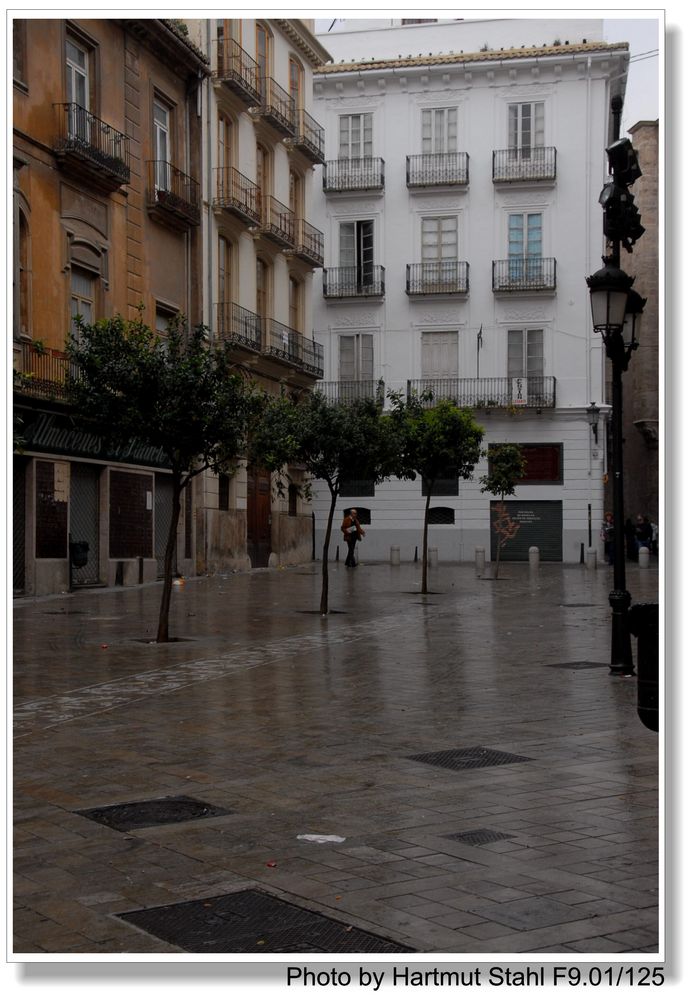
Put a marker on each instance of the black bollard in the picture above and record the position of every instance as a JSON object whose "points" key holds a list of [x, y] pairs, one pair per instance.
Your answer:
{"points": [[644, 624]]}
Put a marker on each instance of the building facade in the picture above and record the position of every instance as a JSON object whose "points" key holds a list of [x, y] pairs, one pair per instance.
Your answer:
{"points": [[107, 216], [260, 249], [460, 208]]}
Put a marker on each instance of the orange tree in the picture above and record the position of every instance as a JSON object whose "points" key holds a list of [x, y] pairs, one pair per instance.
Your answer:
{"points": [[177, 393], [506, 468]]}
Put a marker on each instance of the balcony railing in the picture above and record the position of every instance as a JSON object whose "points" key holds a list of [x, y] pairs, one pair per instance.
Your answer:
{"points": [[313, 357], [277, 107], [538, 391], [283, 342], [238, 194], [524, 274], [278, 222], [436, 169], [309, 243], [238, 326], [351, 391], [43, 373], [172, 196], [92, 148], [536, 163], [309, 138], [238, 71], [362, 174], [354, 282], [439, 277]]}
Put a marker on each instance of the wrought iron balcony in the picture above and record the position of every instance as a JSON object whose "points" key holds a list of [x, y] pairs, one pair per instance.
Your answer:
{"points": [[365, 173], [91, 149], [278, 222], [238, 326], [309, 138], [277, 107], [524, 274], [238, 71], [439, 277], [353, 390], [527, 163], [43, 373], [309, 243], [238, 194], [538, 392], [283, 342], [436, 170], [354, 282], [313, 357], [172, 196]]}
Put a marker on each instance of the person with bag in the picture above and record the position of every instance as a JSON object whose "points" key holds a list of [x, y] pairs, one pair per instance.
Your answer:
{"points": [[352, 533]]}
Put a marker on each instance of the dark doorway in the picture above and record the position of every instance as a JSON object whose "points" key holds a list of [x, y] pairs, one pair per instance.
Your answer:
{"points": [[258, 516], [84, 518]]}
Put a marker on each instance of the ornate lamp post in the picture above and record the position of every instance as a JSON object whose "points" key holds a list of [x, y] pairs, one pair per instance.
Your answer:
{"points": [[616, 309]]}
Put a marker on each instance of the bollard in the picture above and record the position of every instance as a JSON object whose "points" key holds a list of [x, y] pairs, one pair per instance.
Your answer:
{"points": [[644, 557], [395, 556], [591, 558], [479, 561], [432, 557], [534, 556], [644, 624]]}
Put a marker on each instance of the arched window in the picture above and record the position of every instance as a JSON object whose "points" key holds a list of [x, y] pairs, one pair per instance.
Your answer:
{"points": [[296, 76], [263, 54], [21, 277]]}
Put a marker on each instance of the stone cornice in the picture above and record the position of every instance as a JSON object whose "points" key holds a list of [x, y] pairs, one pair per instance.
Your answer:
{"points": [[168, 44], [304, 40]]}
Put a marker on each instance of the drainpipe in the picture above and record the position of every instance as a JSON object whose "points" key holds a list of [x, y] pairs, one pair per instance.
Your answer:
{"points": [[209, 192]]}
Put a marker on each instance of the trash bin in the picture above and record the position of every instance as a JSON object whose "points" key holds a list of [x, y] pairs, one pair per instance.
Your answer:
{"points": [[79, 554], [644, 624]]}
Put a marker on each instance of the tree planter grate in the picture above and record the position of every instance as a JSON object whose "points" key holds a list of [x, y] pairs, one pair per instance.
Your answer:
{"points": [[152, 812], [478, 837], [253, 922], [468, 757]]}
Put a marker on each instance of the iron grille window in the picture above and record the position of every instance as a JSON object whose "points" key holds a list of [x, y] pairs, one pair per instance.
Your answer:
{"points": [[445, 486], [441, 515], [364, 514], [223, 491], [357, 488]]}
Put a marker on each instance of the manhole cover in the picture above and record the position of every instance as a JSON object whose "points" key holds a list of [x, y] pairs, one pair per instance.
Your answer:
{"points": [[153, 812], [477, 837], [578, 665], [251, 921], [468, 757]]}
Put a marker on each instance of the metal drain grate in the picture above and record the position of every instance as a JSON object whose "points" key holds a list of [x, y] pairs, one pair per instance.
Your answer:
{"points": [[251, 921], [477, 837], [468, 757], [578, 665], [153, 812]]}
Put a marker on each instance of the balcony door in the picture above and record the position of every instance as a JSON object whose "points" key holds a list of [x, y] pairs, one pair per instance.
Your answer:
{"points": [[161, 141], [526, 128], [439, 355], [355, 136], [356, 357], [77, 80], [356, 252], [439, 130], [525, 246], [439, 252]]}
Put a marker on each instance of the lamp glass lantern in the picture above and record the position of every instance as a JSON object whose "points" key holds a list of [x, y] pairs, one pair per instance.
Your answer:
{"points": [[609, 292], [634, 311]]}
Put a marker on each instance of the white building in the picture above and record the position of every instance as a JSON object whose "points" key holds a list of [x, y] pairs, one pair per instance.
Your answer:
{"points": [[461, 216]]}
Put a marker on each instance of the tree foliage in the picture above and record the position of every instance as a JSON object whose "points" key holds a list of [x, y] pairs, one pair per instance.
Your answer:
{"points": [[506, 468], [177, 393], [331, 441], [435, 441]]}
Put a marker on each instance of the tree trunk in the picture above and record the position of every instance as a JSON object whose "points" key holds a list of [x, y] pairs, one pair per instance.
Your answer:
{"points": [[164, 612], [424, 540], [324, 603]]}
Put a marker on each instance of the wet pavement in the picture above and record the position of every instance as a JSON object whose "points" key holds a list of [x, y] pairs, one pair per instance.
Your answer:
{"points": [[488, 781]]}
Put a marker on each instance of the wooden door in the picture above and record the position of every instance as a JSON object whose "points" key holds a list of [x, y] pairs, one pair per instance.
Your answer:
{"points": [[258, 516]]}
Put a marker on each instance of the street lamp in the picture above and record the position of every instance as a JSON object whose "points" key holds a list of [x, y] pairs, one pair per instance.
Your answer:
{"points": [[616, 309], [593, 414]]}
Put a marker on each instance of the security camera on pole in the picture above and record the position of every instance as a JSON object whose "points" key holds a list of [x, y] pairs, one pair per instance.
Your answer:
{"points": [[616, 308]]}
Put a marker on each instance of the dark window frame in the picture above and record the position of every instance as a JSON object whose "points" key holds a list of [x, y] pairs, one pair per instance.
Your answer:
{"points": [[528, 480]]}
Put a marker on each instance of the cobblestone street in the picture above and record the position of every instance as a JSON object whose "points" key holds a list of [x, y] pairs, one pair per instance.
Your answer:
{"points": [[485, 784]]}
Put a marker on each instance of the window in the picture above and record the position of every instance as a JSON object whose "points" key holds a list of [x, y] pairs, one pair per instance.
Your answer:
{"points": [[439, 130], [525, 246], [262, 288], [223, 491], [165, 317], [356, 250], [526, 127], [356, 357], [21, 260], [225, 153], [295, 304], [293, 495], [295, 76], [440, 239], [544, 463], [162, 145], [225, 31], [439, 355], [77, 73], [441, 515], [263, 172], [357, 488], [262, 55], [82, 300], [525, 354], [296, 194], [355, 136], [225, 270], [19, 50], [364, 514], [445, 485]]}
